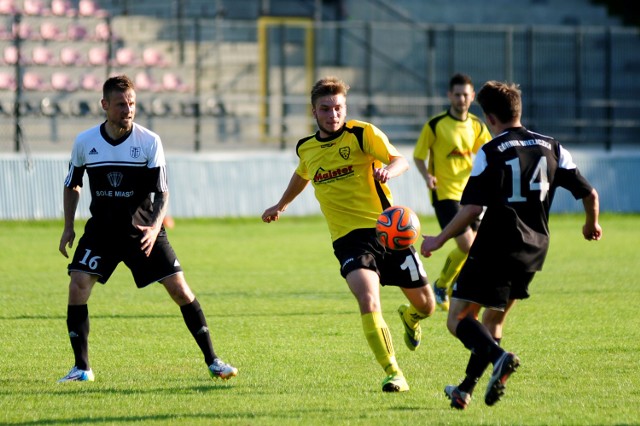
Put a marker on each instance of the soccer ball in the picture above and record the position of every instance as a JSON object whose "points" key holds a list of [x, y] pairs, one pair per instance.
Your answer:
{"points": [[398, 228]]}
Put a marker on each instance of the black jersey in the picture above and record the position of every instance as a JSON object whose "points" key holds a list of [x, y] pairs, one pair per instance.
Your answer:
{"points": [[123, 175], [515, 176]]}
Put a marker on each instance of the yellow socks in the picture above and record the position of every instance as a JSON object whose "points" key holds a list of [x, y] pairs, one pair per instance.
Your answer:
{"points": [[379, 339], [452, 267], [412, 317]]}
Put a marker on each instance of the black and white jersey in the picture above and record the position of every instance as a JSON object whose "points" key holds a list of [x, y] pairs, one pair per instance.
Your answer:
{"points": [[515, 176], [122, 173]]}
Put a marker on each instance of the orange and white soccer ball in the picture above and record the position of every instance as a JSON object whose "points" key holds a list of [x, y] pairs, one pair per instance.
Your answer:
{"points": [[398, 227]]}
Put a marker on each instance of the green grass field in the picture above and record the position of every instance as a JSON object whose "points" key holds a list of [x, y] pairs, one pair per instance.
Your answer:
{"points": [[280, 312]]}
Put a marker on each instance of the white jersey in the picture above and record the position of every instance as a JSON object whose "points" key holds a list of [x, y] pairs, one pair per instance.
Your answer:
{"points": [[122, 174]]}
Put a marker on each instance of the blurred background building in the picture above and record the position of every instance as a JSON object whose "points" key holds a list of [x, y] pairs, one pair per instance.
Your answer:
{"points": [[234, 74]]}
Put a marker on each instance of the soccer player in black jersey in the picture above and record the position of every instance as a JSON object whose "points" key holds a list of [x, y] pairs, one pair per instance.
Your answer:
{"points": [[515, 176], [126, 168]]}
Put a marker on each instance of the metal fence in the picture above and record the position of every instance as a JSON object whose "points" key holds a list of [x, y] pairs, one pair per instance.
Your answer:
{"points": [[246, 83]]}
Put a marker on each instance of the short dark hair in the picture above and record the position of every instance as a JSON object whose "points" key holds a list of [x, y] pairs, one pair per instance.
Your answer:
{"points": [[118, 83], [459, 79], [328, 86], [504, 100]]}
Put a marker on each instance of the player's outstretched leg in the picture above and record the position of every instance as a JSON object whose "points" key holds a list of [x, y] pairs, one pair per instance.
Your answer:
{"points": [[502, 369]]}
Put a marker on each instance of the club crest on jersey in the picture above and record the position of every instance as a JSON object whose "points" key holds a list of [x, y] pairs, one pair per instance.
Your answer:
{"points": [[345, 151], [135, 152], [115, 179]]}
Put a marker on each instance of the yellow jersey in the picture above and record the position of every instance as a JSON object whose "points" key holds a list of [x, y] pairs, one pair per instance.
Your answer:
{"points": [[449, 145], [341, 171]]}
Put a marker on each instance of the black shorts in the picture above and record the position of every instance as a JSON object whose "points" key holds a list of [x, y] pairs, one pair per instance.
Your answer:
{"points": [[99, 254], [490, 285], [360, 249], [446, 211]]}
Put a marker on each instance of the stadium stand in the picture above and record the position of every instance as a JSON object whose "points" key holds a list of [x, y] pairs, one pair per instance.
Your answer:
{"points": [[69, 46]]}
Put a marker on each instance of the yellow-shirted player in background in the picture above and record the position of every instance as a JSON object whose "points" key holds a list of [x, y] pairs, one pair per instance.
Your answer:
{"points": [[444, 157], [349, 165]]}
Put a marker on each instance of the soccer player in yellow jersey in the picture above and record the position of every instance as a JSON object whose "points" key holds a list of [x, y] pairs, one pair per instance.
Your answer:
{"points": [[349, 164], [443, 156]]}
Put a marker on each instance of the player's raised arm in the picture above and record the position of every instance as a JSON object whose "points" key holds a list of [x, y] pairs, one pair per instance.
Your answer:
{"points": [[296, 185]]}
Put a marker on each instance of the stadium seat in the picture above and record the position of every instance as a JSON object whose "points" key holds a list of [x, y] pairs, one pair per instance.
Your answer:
{"points": [[89, 8], [98, 55], [90, 82], [103, 32], [152, 57], [11, 56], [49, 31], [48, 107], [76, 32], [7, 81], [33, 81], [62, 81], [173, 83], [42, 55], [127, 57], [34, 7], [62, 8], [8, 7], [24, 31], [145, 82], [70, 55]]}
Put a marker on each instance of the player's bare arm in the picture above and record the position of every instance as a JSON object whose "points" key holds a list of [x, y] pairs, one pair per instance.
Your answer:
{"points": [[429, 179], [71, 196], [296, 185], [591, 229], [466, 215], [397, 166], [150, 233]]}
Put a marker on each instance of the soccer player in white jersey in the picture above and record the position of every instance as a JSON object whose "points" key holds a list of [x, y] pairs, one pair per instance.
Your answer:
{"points": [[126, 168]]}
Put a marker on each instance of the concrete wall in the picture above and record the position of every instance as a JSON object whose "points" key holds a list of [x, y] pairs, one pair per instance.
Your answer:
{"points": [[245, 183]]}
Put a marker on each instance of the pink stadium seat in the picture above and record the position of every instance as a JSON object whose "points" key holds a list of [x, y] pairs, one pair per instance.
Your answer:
{"points": [[7, 81], [34, 7], [151, 57], [90, 8], [24, 31], [98, 55], [126, 56], [76, 31], [33, 81], [102, 32], [90, 82], [42, 55], [8, 7], [11, 56], [49, 30], [173, 83], [145, 83], [61, 81], [70, 55], [62, 8]]}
